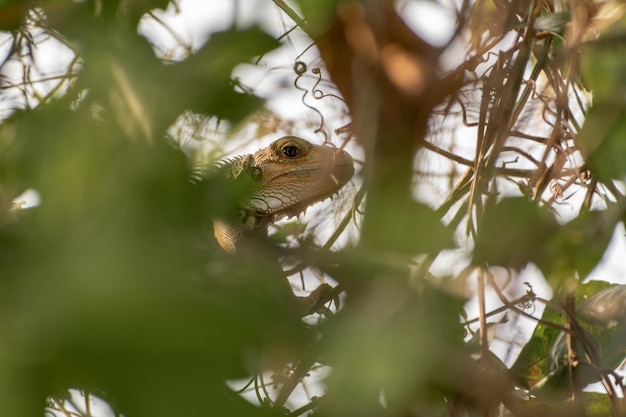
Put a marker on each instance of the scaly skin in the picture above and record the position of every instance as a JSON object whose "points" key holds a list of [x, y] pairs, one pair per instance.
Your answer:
{"points": [[289, 175]]}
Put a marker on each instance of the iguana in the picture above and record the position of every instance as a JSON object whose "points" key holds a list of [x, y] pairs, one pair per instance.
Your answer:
{"points": [[288, 176]]}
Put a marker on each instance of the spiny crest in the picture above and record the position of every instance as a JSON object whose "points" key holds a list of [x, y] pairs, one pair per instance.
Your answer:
{"points": [[229, 168], [233, 167]]}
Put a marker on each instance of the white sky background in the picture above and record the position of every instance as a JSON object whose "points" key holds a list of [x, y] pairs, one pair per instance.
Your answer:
{"points": [[273, 79]]}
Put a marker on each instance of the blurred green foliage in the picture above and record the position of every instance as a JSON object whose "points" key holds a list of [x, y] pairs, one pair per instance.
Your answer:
{"points": [[110, 285]]}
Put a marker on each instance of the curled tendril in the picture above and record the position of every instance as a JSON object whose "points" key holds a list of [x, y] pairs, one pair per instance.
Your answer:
{"points": [[528, 301], [317, 93], [300, 69], [526, 304]]}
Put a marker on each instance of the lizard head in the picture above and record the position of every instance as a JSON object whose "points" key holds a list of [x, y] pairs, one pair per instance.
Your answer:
{"points": [[293, 174]]}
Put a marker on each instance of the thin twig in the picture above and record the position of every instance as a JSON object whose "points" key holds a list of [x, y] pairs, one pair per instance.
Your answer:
{"points": [[572, 354], [294, 16]]}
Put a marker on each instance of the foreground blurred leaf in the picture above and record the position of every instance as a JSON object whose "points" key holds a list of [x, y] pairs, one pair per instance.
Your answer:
{"points": [[144, 95], [110, 286], [393, 343], [582, 242], [12, 14], [412, 228], [607, 121], [516, 231], [604, 129], [211, 68], [597, 405], [513, 233]]}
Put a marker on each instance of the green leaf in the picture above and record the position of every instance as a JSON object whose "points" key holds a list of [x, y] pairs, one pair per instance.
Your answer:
{"points": [[597, 405], [606, 308], [12, 14], [411, 229], [604, 129], [538, 363], [605, 314], [532, 364], [111, 284], [582, 242], [207, 74], [516, 231], [606, 122], [406, 341], [513, 233]]}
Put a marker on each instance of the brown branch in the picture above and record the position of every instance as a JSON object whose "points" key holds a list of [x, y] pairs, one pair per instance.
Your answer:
{"points": [[294, 16], [484, 340], [572, 354]]}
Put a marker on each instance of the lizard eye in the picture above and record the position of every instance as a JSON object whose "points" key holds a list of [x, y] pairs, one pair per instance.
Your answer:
{"points": [[291, 151]]}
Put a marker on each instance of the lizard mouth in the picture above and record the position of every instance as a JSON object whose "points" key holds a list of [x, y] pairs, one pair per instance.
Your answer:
{"points": [[332, 176], [342, 173], [308, 182]]}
